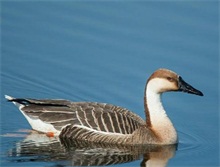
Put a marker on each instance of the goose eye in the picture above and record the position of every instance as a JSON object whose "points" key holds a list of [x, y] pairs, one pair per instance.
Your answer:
{"points": [[170, 79]]}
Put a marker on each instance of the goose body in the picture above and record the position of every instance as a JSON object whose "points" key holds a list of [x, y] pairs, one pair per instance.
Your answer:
{"points": [[106, 123]]}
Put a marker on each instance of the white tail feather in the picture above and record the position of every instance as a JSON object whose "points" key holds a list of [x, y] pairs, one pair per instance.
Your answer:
{"points": [[9, 97]]}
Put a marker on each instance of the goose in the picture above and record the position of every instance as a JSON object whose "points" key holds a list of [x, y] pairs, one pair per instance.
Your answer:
{"points": [[107, 123]]}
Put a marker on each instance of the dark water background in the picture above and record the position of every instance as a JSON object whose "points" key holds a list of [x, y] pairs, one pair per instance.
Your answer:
{"points": [[104, 52]]}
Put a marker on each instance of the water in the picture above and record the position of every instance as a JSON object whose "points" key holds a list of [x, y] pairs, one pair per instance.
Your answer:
{"points": [[104, 52]]}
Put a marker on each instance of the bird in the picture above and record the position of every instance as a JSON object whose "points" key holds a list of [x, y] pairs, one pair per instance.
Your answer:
{"points": [[106, 123]]}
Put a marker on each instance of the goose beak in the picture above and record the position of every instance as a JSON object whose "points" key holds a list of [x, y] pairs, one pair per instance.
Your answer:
{"points": [[185, 87]]}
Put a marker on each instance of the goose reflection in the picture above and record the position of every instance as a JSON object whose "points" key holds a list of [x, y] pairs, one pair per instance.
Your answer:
{"points": [[40, 148]]}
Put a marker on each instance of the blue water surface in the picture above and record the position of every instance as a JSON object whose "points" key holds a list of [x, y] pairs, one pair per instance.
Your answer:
{"points": [[104, 51]]}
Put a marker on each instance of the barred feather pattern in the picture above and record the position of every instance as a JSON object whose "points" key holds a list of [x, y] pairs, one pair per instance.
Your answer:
{"points": [[79, 133], [84, 120]]}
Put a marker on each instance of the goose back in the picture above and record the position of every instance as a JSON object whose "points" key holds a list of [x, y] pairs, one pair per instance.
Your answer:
{"points": [[100, 117]]}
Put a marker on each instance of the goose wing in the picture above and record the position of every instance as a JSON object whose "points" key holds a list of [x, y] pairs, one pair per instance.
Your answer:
{"points": [[106, 117], [89, 115]]}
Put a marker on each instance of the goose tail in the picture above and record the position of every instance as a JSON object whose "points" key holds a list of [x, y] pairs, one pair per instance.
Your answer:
{"points": [[17, 102], [9, 98]]}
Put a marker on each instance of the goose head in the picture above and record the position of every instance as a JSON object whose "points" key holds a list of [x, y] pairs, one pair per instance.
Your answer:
{"points": [[164, 80]]}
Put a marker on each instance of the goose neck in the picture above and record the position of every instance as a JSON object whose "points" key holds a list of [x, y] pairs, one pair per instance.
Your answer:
{"points": [[153, 106], [157, 119]]}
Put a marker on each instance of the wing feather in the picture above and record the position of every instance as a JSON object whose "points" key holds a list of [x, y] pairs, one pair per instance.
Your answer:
{"points": [[95, 116]]}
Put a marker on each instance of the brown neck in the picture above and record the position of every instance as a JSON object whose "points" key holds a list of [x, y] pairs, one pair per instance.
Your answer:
{"points": [[147, 113]]}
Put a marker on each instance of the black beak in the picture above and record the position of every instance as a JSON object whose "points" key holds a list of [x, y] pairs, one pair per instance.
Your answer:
{"points": [[185, 87]]}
